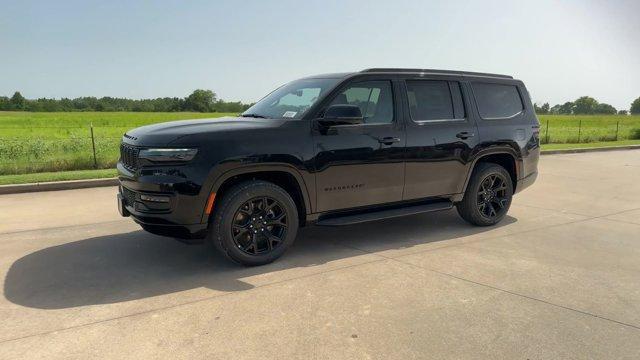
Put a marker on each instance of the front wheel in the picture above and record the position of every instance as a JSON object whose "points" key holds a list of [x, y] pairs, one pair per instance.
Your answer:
{"points": [[488, 195], [255, 223]]}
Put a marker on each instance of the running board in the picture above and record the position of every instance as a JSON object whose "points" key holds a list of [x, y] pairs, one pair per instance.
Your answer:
{"points": [[350, 219]]}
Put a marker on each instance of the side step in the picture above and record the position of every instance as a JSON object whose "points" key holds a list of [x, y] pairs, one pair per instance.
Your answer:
{"points": [[357, 218]]}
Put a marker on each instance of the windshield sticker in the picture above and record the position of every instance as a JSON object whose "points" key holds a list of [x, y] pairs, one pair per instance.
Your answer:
{"points": [[288, 114]]}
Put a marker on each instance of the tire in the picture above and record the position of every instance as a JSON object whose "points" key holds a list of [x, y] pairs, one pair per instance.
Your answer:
{"points": [[485, 205], [248, 220]]}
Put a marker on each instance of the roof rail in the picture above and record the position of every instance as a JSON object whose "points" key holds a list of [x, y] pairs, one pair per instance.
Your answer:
{"points": [[433, 71]]}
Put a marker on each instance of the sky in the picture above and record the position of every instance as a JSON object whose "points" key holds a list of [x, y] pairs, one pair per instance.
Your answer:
{"points": [[244, 49]]}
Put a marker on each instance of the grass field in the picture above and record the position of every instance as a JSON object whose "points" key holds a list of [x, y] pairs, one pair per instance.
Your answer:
{"points": [[588, 128], [45, 142], [50, 142]]}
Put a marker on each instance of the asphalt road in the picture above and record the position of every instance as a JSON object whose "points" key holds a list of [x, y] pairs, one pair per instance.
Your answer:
{"points": [[558, 278]]}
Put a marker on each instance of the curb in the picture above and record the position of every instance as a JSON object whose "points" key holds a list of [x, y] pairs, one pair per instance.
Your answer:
{"points": [[585, 150], [57, 185]]}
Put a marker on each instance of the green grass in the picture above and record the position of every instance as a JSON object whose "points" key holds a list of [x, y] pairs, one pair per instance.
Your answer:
{"points": [[46, 142], [588, 128], [57, 176]]}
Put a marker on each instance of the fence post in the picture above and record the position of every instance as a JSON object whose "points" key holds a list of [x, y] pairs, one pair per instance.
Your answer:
{"points": [[93, 144], [547, 132], [579, 130], [617, 129]]}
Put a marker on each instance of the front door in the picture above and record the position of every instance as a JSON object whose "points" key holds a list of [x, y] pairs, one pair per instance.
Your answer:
{"points": [[362, 164]]}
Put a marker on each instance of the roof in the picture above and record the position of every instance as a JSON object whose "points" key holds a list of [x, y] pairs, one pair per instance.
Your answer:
{"points": [[433, 71]]}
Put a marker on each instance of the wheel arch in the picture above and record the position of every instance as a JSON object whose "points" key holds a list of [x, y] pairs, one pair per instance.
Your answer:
{"points": [[282, 175], [506, 157]]}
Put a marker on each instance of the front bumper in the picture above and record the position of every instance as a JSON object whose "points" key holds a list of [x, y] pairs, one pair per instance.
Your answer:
{"points": [[159, 224], [180, 215]]}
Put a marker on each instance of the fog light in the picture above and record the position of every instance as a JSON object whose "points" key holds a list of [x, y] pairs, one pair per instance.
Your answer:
{"points": [[152, 198]]}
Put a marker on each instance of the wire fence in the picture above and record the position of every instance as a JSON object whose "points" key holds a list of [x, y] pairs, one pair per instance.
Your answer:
{"points": [[586, 131], [59, 148]]}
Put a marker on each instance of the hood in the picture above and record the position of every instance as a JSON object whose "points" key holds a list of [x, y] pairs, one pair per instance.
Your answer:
{"points": [[163, 134]]}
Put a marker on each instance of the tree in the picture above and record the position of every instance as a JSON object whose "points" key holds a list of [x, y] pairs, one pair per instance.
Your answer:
{"points": [[4, 103], [545, 108], [607, 109], [18, 101], [566, 108], [585, 105], [200, 100], [537, 108], [623, 112], [635, 107]]}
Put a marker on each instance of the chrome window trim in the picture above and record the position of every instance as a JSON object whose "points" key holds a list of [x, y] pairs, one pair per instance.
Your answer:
{"points": [[504, 118], [438, 121]]}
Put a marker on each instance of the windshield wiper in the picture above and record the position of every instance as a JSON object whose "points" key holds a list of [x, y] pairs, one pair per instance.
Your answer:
{"points": [[254, 116]]}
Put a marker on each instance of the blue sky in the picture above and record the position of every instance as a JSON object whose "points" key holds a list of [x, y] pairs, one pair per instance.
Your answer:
{"points": [[244, 49]]}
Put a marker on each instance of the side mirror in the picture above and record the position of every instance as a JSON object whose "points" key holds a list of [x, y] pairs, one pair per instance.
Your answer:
{"points": [[342, 115]]}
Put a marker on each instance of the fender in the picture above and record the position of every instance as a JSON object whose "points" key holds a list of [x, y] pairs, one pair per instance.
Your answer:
{"points": [[492, 150], [219, 179]]}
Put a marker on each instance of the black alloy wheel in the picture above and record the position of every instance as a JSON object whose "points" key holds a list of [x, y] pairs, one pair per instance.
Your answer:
{"points": [[254, 222], [259, 225], [492, 196], [488, 195]]}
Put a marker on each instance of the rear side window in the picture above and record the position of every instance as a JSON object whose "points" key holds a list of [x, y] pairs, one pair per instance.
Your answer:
{"points": [[497, 100], [434, 100]]}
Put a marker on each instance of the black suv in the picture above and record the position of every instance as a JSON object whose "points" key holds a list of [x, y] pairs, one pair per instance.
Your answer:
{"points": [[334, 149]]}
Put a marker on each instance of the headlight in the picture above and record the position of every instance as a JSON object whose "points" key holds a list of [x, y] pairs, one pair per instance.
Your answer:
{"points": [[168, 155]]}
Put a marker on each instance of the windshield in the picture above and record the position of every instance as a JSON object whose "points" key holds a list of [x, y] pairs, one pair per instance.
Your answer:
{"points": [[292, 100]]}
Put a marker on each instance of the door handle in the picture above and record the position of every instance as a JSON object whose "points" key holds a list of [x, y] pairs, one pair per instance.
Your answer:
{"points": [[389, 140], [464, 135]]}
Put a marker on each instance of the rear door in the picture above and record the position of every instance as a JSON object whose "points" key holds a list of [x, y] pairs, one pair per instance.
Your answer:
{"points": [[440, 136]]}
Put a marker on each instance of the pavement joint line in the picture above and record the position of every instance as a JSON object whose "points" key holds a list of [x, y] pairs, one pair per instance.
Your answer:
{"points": [[620, 221], [398, 259], [554, 210], [60, 227], [518, 294], [164, 308]]}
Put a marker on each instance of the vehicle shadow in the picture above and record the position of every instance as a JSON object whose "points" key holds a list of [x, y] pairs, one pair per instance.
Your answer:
{"points": [[138, 265]]}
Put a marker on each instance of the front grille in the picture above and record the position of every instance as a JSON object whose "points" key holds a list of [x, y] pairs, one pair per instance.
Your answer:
{"points": [[129, 156], [128, 196]]}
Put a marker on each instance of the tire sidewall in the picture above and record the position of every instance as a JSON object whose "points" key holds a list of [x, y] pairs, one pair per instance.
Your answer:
{"points": [[223, 221], [470, 199]]}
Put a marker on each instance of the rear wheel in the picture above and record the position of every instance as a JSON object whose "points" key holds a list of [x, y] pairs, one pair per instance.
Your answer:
{"points": [[255, 223], [488, 196]]}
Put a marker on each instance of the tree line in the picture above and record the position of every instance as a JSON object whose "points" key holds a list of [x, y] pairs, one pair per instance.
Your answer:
{"points": [[586, 105], [198, 101]]}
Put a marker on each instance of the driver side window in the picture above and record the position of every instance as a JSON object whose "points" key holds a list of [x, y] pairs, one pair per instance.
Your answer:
{"points": [[374, 98]]}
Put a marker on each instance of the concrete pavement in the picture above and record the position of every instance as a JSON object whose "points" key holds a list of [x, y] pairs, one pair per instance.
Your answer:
{"points": [[558, 278]]}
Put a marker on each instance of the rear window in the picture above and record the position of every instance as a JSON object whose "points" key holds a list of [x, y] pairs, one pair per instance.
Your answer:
{"points": [[497, 100], [433, 100]]}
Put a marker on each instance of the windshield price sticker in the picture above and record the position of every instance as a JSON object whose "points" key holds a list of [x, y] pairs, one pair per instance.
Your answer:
{"points": [[289, 114]]}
